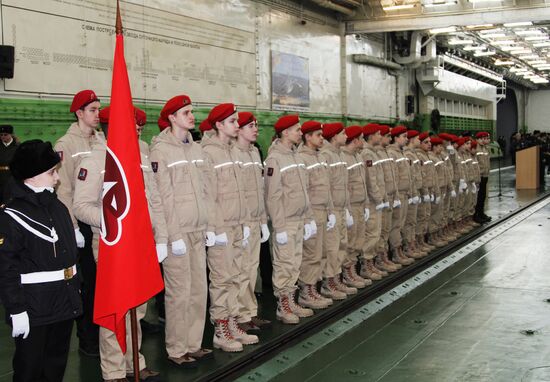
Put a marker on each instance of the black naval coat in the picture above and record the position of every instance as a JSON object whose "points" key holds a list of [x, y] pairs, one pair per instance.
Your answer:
{"points": [[6, 154], [22, 251]]}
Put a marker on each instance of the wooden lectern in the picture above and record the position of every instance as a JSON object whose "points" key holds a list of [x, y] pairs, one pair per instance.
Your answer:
{"points": [[527, 168]]}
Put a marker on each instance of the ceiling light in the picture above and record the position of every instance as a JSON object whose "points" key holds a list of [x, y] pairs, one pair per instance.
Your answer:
{"points": [[535, 38], [443, 30], [487, 53], [398, 7], [439, 4], [541, 65], [541, 81], [520, 51], [476, 47], [516, 69], [536, 62], [504, 42], [503, 63], [509, 48], [494, 35], [541, 44], [528, 32], [520, 24], [528, 57], [457, 41], [479, 26]]}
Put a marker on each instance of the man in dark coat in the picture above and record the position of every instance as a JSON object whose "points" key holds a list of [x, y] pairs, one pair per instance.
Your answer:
{"points": [[7, 149], [38, 252]]}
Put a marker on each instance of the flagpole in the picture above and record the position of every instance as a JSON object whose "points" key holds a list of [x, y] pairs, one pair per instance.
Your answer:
{"points": [[133, 315]]}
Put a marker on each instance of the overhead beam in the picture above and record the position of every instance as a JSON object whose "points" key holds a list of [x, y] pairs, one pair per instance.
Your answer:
{"points": [[465, 17]]}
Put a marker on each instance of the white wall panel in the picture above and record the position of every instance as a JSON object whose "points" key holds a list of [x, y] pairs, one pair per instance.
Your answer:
{"points": [[537, 110]]}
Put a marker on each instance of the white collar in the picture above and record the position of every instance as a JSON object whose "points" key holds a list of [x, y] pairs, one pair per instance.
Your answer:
{"points": [[38, 189], [9, 143]]}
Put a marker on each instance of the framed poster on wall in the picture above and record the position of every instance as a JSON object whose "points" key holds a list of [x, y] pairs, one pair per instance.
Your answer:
{"points": [[289, 82]]}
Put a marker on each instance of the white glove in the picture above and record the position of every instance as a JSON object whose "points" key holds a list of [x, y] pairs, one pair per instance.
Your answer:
{"points": [[451, 149], [221, 239], [313, 228], [265, 233], [20, 325], [462, 185], [416, 200], [178, 247], [331, 223], [162, 252], [474, 188], [396, 203], [411, 201], [432, 198], [437, 200], [79, 239], [386, 204], [307, 231], [282, 238], [246, 235], [367, 214], [210, 238], [453, 194], [426, 198], [380, 206], [349, 219]]}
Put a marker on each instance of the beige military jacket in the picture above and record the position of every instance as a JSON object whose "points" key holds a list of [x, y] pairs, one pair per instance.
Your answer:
{"points": [[338, 175], [144, 148], [225, 179], [374, 174], [459, 170], [429, 176], [416, 171], [357, 185], [72, 147], [484, 160], [252, 169], [476, 168], [440, 171], [389, 172], [469, 172], [318, 188], [87, 204], [286, 187], [180, 175], [402, 166]]}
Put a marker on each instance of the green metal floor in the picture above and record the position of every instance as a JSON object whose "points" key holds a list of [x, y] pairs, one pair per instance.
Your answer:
{"points": [[463, 325]]}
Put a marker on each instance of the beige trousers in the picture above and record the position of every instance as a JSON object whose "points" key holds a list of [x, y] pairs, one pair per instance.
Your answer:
{"points": [[225, 265], [398, 220], [356, 235], [373, 229], [382, 245], [423, 217], [248, 305], [287, 259], [336, 246], [185, 296], [408, 231], [313, 260]]}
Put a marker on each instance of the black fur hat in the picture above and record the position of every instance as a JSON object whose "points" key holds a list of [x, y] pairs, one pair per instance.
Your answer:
{"points": [[7, 129], [32, 158]]}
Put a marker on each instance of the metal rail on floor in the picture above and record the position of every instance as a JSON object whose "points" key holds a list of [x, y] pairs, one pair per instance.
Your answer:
{"points": [[323, 318]]}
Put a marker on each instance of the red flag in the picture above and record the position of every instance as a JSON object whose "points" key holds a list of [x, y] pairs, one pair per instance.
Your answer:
{"points": [[128, 273]]}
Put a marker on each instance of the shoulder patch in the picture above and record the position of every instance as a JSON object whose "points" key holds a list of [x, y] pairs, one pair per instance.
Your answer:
{"points": [[1, 239], [368, 163], [82, 174], [155, 166], [269, 171], [60, 153]]}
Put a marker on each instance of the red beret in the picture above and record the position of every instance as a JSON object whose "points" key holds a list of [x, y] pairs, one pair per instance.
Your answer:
{"points": [[221, 112], [474, 143], [453, 138], [310, 126], [205, 126], [286, 121], [163, 124], [246, 117], [104, 114], [423, 136], [436, 140], [82, 98], [331, 129], [141, 117], [412, 133], [174, 104], [384, 129], [353, 132], [445, 136], [398, 130], [482, 134], [370, 128], [461, 141]]}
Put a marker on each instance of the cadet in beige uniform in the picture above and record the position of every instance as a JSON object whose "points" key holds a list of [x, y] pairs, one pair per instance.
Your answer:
{"points": [[427, 191], [351, 154], [337, 238], [318, 190], [376, 195], [476, 170], [408, 231], [463, 146], [290, 212], [449, 202], [248, 157], [484, 159], [440, 190], [403, 194], [87, 206], [227, 222], [71, 147], [392, 199], [178, 164]]}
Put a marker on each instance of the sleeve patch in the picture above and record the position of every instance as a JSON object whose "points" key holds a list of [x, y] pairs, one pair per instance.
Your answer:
{"points": [[369, 163], [155, 166], [82, 174], [1, 240], [60, 153], [269, 171]]}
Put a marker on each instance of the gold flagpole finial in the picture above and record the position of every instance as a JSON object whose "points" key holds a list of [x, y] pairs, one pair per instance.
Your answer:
{"points": [[118, 26]]}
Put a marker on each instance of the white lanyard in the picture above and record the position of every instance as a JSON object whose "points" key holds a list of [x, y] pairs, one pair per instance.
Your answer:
{"points": [[14, 214]]}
